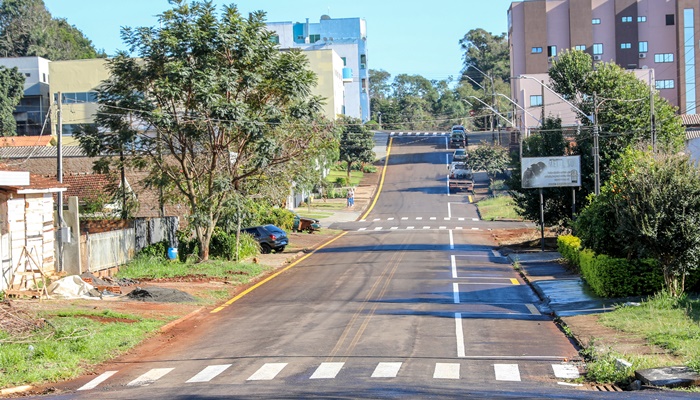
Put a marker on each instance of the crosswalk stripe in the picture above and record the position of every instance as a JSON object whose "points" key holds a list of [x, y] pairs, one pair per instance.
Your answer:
{"points": [[565, 371], [362, 229], [410, 227], [433, 218], [390, 219], [93, 383], [387, 370], [379, 228], [327, 370], [404, 218], [507, 372], [442, 227], [426, 227], [393, 228], [267, 372], [150, 377], [209, 373], [377, 219], [446, 371], [460, 219], [459, 228], [419, 218]]}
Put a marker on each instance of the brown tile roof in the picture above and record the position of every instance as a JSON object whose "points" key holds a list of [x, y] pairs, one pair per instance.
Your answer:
{"points": [[87, 186], [22, 141]]}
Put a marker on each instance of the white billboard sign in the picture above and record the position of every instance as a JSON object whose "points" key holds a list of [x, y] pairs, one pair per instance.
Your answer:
{"points": [[545, 172]]}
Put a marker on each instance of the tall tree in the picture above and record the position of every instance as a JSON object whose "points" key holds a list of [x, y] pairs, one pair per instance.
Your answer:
{"points": [[27, 29], [487, 52], [212, 109], [11, 92], [493, 159], [356, 143]]}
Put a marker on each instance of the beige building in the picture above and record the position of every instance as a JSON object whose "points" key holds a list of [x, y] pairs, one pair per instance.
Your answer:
{"points": [[328, 67], [77, 81]]}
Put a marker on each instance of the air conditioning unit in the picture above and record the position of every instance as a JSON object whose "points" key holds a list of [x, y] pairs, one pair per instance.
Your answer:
{"points": [[597, 57], [642, 55]]}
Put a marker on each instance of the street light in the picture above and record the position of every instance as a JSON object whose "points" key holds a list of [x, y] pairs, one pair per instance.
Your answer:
{"points": [[379, 117], [493, 110], [493, 87]]}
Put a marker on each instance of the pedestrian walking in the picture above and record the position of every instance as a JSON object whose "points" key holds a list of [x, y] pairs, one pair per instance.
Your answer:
{"points": [[348, 196], [352, 197]]}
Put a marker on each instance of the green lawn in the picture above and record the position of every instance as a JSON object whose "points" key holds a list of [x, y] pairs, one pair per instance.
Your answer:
{"points": [[498, 208], [355, 176]]}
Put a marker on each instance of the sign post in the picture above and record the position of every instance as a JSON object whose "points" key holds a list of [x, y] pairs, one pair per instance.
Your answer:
{"points": [[549, 172]]}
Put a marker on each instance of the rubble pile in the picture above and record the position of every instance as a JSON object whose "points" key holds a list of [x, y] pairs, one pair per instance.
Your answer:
{"points": [[160, 294]]}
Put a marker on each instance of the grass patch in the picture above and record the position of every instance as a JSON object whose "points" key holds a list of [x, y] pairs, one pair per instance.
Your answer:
{"points": [[159, 268], [314, 213], [66, 344], [498, 208], [213, 296], [320, 205], [670, 323], [355, 176]]}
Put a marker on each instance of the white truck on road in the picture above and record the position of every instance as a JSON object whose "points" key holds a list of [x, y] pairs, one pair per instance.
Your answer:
{"points": [[461, 176]]}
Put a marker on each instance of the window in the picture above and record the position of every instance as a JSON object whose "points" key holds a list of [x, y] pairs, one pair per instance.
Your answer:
{"points": [[627, 19], [581, 47], [665, 84], [663, 58], [363, 61], [597, 48], [642, 18], [77, 97], [275, 39], [314, 38], [345, 61], [624, 46], [670, 19], [536, 50], [43, 78], [364, 84], [596, 21], [27, 74], [643, 47], [551, 51], [536, 100]]}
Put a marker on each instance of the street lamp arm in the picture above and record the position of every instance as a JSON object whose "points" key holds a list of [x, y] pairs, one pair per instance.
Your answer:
{"points": [[520, 107], [589, 117], [492, 109]]}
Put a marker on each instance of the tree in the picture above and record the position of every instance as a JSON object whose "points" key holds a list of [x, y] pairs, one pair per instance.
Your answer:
{"points": [[212, 110], [356, 143], [493, 159], [487, 52], [379, 84], [27, 29], [11, 92], [654, 201]]}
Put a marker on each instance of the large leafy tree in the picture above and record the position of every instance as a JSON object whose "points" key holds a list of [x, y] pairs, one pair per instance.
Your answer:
{"points": [[485, 52], [356, 143], [653, 203], [620, 104], [212, 109], [11, 92], [493, 159], [27, 29]]}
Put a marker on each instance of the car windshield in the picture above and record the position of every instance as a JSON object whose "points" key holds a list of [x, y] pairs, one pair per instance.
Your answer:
{"points": [[273, 229], [461, 166], [459, 152]]}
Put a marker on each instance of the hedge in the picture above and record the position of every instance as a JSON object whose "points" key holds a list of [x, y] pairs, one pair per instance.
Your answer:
{"points": [[610, 276]]}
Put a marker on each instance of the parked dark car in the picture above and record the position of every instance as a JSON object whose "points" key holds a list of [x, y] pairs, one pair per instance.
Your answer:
{"points": [[269, 237]]}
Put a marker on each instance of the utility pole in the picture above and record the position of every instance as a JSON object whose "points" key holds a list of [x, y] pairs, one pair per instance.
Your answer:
{"points": [[59, 177], [542, 91], [596, 150]]}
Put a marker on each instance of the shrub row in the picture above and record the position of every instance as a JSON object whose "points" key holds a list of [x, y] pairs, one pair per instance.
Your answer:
{"points": [[610, 276]]}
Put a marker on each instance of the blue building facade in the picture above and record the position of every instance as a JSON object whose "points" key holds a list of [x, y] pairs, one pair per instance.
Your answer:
{"points": [[348, 38]]}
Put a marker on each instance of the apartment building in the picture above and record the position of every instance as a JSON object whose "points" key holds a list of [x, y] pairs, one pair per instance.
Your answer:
{"points": [[348, 37], [31, 112], [655, 38]]}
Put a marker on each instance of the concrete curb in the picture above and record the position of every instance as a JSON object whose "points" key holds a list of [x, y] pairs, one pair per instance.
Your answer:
{"points": [[15, 390], [172, 324]]}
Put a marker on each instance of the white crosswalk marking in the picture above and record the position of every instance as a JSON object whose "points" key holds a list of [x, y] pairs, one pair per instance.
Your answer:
{"points": [[446, 371], [410, 227], [460, 219], [93, 383], [377, 219], [404, 218], [362, 229], [150, 377], [475, 229], [565, 371], [208, 373], [379, 228], [446, 218], [419, 218], [267, 372], [426, 227], [507, 372], [387, 370], [433, 218], [442, 227], [390, 219], [393, 228], [475, 219], [327, 370], [459, 228]]}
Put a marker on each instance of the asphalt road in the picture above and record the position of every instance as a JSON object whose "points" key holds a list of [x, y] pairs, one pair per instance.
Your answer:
{"points": [[427, 309]]}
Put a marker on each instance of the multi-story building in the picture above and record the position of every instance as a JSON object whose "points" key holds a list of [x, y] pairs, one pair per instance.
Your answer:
{"points": [[348, 37], [655, 38], [328, 66], [31, 112]]}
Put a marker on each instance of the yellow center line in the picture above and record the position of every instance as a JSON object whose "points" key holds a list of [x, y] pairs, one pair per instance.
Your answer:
{"points": [[269, 278], [381, 180], [514, 281]]}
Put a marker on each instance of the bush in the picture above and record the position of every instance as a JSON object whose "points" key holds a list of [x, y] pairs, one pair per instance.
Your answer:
{"points": [[159, 250], [341, 181], [368, 168], [279, 217], [247, 246], [222, 245], [187, 246], [619, 277], [569, 246]]}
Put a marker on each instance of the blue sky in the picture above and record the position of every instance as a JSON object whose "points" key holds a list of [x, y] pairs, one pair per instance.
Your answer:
{"points": [[409, 36]]}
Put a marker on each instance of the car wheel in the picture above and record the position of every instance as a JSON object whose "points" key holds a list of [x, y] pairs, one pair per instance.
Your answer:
{"points": [[279, 249], [265, 248]]}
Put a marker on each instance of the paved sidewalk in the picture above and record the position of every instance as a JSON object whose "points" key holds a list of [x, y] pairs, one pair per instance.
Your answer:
{"points": [[564, 292]]}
